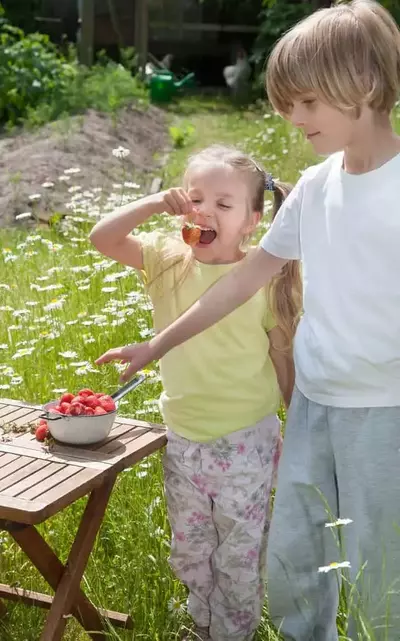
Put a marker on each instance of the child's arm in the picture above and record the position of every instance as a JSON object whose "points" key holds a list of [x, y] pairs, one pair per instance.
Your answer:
{"points": [[112, 235], [283, 363], [230, 292]]}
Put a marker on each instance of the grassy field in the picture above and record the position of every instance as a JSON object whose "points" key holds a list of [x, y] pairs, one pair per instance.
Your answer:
{"points": [[61, 305]]}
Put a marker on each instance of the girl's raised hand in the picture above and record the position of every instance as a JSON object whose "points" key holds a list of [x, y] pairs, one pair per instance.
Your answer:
{"points": [[175, 202]]}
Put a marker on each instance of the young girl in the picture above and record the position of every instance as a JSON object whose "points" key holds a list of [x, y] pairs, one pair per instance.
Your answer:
{"points": [[337, 77], [221, 391]]}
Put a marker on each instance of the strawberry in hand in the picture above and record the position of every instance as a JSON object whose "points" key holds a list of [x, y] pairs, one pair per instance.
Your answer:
{"points": [[191, 234]]}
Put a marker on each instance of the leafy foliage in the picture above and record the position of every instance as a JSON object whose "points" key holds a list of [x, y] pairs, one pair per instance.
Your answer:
{"points": [[38, 83]]}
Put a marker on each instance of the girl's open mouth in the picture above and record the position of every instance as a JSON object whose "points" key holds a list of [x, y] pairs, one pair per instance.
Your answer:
{"points": [[207, 236]]}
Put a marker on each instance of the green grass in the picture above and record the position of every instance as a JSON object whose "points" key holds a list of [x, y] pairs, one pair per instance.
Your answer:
{"points": [[56, 318]]}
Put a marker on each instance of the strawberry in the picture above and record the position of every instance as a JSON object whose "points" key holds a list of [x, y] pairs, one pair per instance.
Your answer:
{"points": [[66, 398], [78, 399], [99, 410], [76, 409], [107, 403], [85, 392], [64, 407], [91, 401], [42, 431], [89, 411], [56, 409], [99, 394], [191, 234]]}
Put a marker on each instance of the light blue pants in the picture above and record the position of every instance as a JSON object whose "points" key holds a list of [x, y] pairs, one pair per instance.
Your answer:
{"points": [[336, 463]]}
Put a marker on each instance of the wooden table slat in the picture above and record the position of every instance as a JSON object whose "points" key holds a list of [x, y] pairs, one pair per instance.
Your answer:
{"points": [[18, 463], [66, 492], [139, 423], [15, 509], [145, 445], [119, 438], [21, 473], [56, 455], [13, 402], [34, 480], [51, 481], [9, 414], [7, 458]]}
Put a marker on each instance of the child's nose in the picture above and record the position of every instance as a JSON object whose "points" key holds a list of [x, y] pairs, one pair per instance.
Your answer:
{"points": [[200, 215], [298, 116]]}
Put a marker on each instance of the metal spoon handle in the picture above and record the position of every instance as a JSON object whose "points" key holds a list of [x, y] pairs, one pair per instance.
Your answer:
{"points": [[128, 387]]}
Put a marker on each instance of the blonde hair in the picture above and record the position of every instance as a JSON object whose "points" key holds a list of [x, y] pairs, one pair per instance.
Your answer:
{"points": [[347, 55], [284, 294]]}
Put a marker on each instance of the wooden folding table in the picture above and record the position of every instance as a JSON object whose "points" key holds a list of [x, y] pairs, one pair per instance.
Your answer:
{"points": [[37, 483]]}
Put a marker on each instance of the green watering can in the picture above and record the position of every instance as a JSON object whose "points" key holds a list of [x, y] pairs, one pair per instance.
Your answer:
{"points": [[163, 86]]}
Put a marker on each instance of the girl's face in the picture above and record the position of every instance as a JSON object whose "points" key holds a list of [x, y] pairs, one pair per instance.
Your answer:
{"points": [[222, 204]]}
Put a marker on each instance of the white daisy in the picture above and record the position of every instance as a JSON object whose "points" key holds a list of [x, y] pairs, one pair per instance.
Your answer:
{"points": [[334, 566]]}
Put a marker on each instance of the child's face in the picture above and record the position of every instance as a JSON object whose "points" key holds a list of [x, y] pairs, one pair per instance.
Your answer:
{"points": [[328, 129], [220, 195]]}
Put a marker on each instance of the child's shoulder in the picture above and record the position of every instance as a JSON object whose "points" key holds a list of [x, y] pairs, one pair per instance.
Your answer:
{"points": [[161, 250], [167, 242], [321, 169]]}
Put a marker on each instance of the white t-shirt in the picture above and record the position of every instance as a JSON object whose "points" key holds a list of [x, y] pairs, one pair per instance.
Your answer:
{"points": [[346, 230]]}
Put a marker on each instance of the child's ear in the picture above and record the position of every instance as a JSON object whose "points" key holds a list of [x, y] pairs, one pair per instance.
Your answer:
{"points": [[253, 222]]}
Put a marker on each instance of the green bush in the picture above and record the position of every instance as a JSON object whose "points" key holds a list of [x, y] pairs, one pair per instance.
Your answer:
{"points": [[277, 16], [106, 88], [38, 84], [31, 72]]}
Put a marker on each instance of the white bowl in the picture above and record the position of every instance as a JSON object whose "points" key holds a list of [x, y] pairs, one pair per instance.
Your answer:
{"points": [[78, 430]]}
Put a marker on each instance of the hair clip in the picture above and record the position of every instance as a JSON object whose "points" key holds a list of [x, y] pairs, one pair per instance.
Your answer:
{"points": [[269, 184]]}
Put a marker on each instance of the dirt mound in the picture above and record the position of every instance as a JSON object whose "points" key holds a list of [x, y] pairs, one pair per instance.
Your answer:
{"points": [[33, 163]]}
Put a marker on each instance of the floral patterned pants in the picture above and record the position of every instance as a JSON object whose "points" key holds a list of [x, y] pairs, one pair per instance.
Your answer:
{"points": [[218, 505]]}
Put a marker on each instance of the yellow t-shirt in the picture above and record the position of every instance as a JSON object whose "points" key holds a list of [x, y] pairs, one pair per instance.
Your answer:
{"points": [[222, 380]]}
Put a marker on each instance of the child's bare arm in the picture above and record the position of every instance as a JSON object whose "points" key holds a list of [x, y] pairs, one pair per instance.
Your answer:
{"points": [[230, 292], [112, 234], [227, 294], [283, 363]]}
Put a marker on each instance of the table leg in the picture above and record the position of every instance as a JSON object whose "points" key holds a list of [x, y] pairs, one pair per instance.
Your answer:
{"points": [[66, 580]]}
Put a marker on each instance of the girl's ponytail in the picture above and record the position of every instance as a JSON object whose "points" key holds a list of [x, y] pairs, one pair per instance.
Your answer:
{"points": [[285, 294]]}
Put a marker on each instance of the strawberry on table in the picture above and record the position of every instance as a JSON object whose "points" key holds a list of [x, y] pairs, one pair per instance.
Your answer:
{"points": [[42, 431]]}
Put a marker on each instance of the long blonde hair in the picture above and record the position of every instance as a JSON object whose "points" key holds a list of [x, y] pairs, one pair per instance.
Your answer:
{"points": [[284, 293]]}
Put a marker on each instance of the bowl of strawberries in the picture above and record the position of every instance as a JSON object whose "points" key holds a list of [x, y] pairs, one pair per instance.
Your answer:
{"points": [[86, 417]]}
